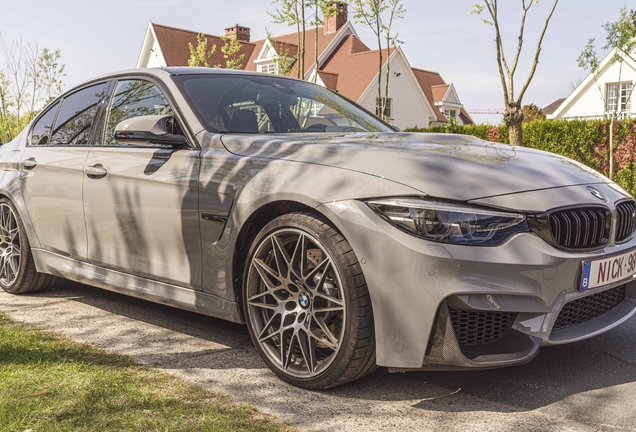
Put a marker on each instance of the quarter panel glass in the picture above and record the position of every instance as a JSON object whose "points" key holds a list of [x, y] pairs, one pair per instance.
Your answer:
{"points": [[41, 131]]}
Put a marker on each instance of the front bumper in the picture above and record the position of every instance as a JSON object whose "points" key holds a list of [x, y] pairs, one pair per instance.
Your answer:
{"points": [[414, 282]]}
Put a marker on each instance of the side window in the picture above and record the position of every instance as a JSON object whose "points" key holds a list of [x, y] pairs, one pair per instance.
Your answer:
{"points": [[41, 131], [76, 116], [133, 98]]}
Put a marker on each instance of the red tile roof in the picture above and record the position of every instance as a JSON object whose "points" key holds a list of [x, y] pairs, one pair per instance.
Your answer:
{"points": [[439, 91], [435, 89], [355, 65], [174, 45], [428, 80], [329, 79]]}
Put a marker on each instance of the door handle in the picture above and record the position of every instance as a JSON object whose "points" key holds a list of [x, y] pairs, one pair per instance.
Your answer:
{"points": [[30, 163], [96, 171]]}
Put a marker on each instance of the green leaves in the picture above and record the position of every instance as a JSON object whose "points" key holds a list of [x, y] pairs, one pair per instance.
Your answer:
{"points": [[199, 55], [588, 59]]}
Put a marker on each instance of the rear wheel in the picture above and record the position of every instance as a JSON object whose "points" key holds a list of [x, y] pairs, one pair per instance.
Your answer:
{"points": [[17, 269], [307, 304]]}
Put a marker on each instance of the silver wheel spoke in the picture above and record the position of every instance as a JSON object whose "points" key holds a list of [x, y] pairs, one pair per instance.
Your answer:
{"points": [[307, 347], [263, 305], [329, 309], [330, 299], [281, 257], [324, 264], [300, 256], [332, 339], [262, 270]]}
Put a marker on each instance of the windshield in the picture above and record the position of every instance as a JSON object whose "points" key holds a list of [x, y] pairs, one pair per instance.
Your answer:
{"points": [[263, 104]]}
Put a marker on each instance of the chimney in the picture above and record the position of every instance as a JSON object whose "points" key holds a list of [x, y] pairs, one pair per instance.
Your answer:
{"points": [[339, 17], [238, 32]]}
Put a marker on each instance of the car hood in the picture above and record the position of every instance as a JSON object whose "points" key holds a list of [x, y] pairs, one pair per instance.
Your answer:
{"points": [[458, 167]]}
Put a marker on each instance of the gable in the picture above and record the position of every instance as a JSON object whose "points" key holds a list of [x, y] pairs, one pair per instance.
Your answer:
{"points": [[586, 100]]}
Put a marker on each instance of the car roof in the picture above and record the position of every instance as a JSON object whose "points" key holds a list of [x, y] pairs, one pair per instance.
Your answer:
{"points": [[165, 72]]}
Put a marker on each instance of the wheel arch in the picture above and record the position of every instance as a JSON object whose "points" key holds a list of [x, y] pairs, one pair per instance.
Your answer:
{"points": [[250, 229], [14, 194]]}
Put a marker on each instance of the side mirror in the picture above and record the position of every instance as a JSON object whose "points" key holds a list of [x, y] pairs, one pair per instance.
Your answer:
{"points": [[149, 130]]}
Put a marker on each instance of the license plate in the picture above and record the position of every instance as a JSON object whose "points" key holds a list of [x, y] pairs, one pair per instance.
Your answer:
{"points": [[605, 271]]}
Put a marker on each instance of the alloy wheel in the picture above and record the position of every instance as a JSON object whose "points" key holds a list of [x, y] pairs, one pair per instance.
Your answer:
{"points": [[295, 302], [10, 245]]}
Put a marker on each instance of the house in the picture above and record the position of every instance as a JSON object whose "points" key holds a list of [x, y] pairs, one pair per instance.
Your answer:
{"points": [[345, 64], [597, 96]]}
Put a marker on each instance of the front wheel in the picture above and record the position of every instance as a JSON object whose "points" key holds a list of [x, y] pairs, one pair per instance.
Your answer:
{"points": [[307, 303], [17, 269]]}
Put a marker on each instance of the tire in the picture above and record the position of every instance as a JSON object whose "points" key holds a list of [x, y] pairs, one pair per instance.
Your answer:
{"points": [[307, 305], [17, 269]]}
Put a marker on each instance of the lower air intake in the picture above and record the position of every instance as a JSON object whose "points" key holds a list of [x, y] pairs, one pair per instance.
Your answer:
{"points": [[590, 307], [480, 327]]}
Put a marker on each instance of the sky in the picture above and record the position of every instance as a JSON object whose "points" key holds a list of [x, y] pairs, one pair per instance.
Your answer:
{"points": [[101, 37]]}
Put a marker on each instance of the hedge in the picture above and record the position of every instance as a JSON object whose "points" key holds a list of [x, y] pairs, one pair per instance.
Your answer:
{"points": [[586, 141]]}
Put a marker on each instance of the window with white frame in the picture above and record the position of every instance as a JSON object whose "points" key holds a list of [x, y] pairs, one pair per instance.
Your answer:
{"points": [[268, 68], [450, 113], [387, 103], [618, 97]]}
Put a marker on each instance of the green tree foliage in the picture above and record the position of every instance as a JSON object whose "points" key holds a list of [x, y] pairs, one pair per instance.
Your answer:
{"points": [[200, 55], [294, 13], [50, 73], [513, 115], [230, 49], [29, 79], [531, 112], [379, 16], [621, 39]]}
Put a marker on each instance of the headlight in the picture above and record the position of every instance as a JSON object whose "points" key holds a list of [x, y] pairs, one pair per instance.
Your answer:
{"points": [[449, 223]]}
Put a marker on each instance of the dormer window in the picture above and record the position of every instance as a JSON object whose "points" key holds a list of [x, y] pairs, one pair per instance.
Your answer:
{"points": [[269, 68]]}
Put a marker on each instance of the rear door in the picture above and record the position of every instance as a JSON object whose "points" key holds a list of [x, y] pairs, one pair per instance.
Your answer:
{"points": [[141, 203], [53, 170]]}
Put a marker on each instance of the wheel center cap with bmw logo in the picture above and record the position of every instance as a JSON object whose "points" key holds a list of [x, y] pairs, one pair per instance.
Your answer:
{"points": [[303, 300], [597, 194]]}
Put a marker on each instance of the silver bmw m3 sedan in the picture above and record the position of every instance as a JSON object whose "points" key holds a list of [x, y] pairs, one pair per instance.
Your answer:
{"points": [[342, 244]]}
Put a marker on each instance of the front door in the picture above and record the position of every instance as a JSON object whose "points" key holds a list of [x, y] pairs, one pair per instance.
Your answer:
{"points": [[53, 171], [141, 203]]}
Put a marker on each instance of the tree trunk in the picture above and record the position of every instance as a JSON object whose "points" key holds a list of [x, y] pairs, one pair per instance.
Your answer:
{"points": [[513, 118]]}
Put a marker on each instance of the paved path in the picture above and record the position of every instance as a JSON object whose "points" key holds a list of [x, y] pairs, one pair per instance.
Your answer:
{"points": [[590, 385]]}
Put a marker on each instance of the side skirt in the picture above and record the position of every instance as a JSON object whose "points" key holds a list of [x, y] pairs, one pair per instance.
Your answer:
{"points": [[159, 292]]}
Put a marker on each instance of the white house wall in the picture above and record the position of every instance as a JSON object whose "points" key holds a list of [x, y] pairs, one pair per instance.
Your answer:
{"points": [[151, 54], [407, 109], [588, 101]]}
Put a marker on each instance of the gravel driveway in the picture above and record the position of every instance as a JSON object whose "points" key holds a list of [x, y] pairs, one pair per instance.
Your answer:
{"points": [[590, 385]]}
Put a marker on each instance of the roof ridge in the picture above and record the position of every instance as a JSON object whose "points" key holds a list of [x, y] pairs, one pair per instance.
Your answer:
{"points": [[424, 70], [196, 33]]}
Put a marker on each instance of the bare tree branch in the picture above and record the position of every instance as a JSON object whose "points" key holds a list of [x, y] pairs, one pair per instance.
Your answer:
{"points": [[538, 51]]}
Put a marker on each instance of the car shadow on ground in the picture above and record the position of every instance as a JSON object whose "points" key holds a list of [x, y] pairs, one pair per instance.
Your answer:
{"points": [[555, 374]]}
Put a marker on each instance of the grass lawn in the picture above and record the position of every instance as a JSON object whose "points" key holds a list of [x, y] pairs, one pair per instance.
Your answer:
{"points": [[50, 383]]}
